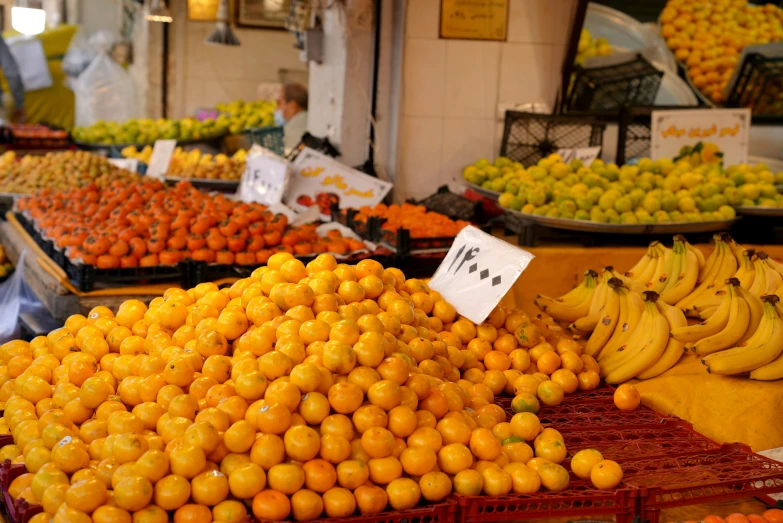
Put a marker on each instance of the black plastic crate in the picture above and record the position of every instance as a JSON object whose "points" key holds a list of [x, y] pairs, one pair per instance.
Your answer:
{"points": [[530, 137], [634, 132], [455, 206], [608, 88], [759, 86], [346, 217], [85, 277]]}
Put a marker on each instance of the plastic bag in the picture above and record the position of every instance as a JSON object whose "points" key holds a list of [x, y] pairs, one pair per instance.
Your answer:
{"points": [[16, 298], [79, 55], [104, 91]]}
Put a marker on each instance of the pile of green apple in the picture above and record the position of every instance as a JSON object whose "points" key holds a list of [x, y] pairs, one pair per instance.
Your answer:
{"points": [[146, 130], [652, 191]]}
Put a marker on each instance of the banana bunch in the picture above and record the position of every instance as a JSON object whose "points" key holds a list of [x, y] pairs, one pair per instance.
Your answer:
{"points": [[573, 305], [648, 350], [672, 273], [736, 320], [759, 353], [722, 264]]}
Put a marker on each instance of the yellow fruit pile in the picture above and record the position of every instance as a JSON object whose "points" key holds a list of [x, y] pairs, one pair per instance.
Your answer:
{"points": [[708, 37], [194, 164], [300, 391]]}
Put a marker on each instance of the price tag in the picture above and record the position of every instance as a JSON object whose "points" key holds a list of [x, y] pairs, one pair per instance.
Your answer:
{"points": [[587, 154], [717, 135], [264, 180], [477, 272], [131, 164], [161, 156]]}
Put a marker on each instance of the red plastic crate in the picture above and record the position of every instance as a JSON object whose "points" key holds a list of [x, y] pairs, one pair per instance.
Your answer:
{"points": [[440, 513], [672, 438], [593, 415], [19, 510], [580, 500], [603, 394], [733, 471]]}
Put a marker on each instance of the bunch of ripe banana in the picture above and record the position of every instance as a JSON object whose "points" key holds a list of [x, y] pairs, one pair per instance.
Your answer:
{"points": [[622, 316]]}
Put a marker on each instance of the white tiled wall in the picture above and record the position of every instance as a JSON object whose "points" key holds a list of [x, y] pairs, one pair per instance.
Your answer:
{"points": [[452, 88], [214, 74]]}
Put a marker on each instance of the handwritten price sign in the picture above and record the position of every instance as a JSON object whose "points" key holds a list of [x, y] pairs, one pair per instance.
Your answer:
{"points": [[161, 157], [264, 180], [728, 129], [319, 180], [477, 272], [586, 154]]}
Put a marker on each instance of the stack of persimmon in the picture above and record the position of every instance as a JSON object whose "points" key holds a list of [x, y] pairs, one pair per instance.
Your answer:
{"points": [[420, 222], [148, 224], [301, 391]]}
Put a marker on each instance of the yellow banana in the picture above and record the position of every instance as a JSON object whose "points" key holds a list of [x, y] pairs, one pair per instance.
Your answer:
{"points": [[588, 322], [746, 271], [640, 357], [776, 265], [663, 272], [767, 280], [756, 309], [699, 255], [708, 301], [686, 279], [739, 315], [644, 277], [626, 325], [724, 267], [736, 248], [713, 325], [628, 283], [640, 266], [706, 313], [609, 320], [761, 349], [772, 370], [709, 264], [674, 349], [572, 306], [640, 337]]}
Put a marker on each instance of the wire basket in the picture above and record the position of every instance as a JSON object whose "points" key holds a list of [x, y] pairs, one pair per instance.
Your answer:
{"points": [[455, 206], [529, 137], [608, 88], [759, 86], [269, 137]]}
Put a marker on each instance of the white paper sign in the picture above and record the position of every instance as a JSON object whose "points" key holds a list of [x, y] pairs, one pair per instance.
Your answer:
{"points": [[587, 154], [319, 180], [131, 164], [477, 272], [264, 180], [728, 129], [161, 156]]}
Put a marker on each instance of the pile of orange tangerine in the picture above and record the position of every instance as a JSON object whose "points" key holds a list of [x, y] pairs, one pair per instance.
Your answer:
{"points": [[299, 392]]}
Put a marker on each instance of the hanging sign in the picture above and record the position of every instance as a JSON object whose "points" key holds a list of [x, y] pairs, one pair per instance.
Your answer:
{"points": [[161, 157], [720, 133], [474, 19], [477, 272], [320, 181]]}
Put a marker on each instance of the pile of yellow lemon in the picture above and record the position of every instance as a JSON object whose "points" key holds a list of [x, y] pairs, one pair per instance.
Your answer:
{"points": [[301, 391]]}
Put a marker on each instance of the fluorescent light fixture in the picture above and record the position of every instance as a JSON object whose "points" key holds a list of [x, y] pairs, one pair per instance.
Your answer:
{"points": [[158, 12], [28, 21]]}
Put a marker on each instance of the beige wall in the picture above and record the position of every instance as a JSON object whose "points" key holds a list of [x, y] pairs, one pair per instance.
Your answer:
{"points": [[453, 89], [205, 75]]}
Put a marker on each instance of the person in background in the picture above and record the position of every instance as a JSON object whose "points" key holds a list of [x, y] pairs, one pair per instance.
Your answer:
{"points": [[13, 76], [291, 113]]}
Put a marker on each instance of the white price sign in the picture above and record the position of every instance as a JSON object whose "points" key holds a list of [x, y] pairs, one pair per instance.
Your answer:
{"points": [[264, 180], [587, 154], [477, 272], [161, 156], [131, 164], [319, 180], [727, 130]]}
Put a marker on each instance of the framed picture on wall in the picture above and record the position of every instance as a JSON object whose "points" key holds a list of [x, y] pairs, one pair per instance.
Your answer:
{"points": [[263, 14], [206, 10]]}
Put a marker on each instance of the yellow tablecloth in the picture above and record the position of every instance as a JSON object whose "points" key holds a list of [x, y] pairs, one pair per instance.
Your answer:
{"points": [[724, 409]]}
